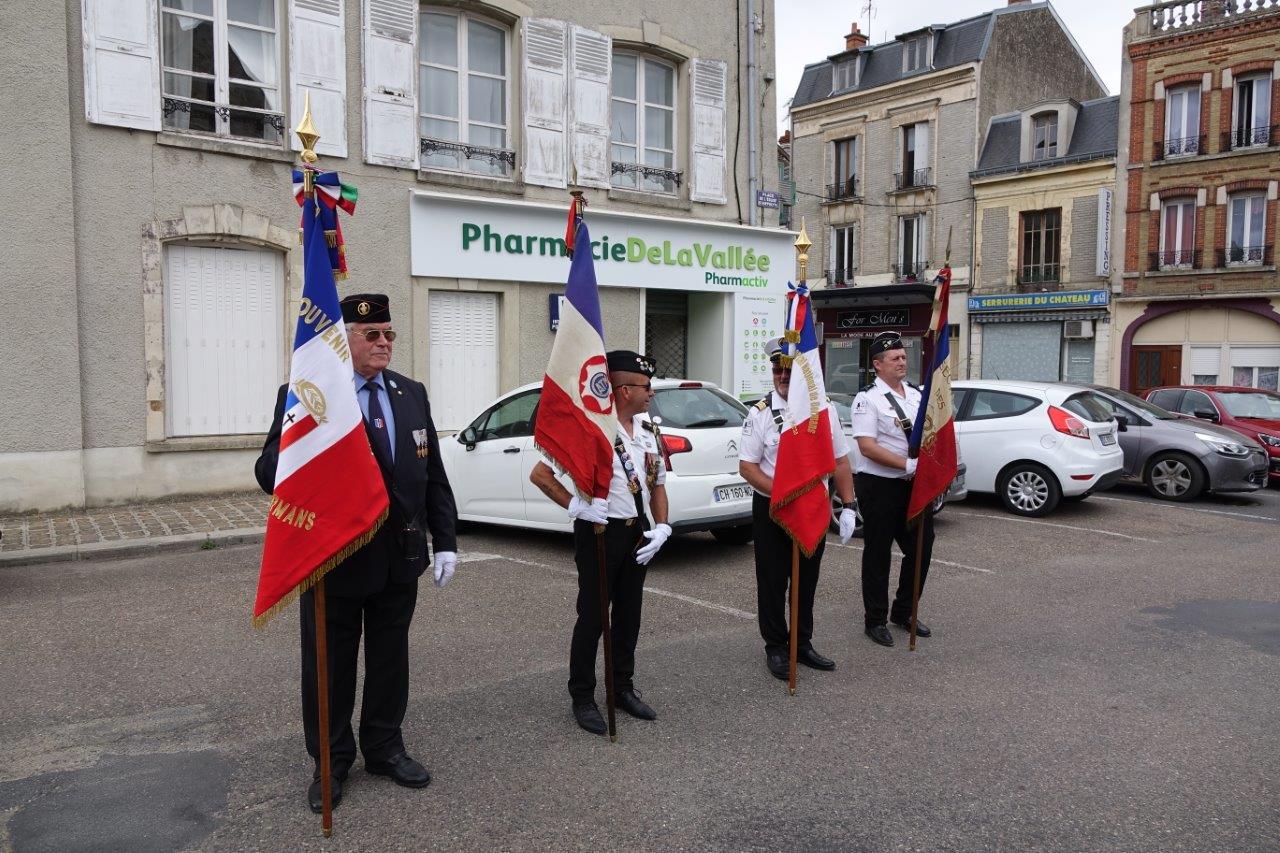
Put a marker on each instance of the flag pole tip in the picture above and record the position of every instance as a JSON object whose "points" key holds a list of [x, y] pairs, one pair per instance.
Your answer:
{"points": [[306, 132]]}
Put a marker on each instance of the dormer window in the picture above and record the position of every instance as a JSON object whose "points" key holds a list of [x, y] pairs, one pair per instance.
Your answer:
{"points": [[915, 53], [845, 75], [1044, 136]]}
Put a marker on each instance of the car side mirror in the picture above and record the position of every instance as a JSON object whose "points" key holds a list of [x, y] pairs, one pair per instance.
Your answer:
{"points": [[1207, 415], [468, 437], [1122, 423]]}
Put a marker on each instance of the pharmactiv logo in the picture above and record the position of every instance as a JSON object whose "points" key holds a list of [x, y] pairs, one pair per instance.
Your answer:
{"points": [[720, 264]]}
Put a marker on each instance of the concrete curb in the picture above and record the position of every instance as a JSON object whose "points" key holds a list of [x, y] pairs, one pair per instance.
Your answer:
{"points": [[131, 547]]}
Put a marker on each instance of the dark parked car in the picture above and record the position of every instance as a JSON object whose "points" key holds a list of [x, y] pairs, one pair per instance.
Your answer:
{"points": [[1252, 412], [1178, 458]]}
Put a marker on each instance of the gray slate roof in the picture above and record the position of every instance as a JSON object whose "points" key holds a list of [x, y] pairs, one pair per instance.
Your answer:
{"points": [[1095, 134], [956, 44]]}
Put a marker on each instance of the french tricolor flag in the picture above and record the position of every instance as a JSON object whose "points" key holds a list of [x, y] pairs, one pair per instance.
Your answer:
{"points": [[806, 457], [576, 422], [329, 496]]}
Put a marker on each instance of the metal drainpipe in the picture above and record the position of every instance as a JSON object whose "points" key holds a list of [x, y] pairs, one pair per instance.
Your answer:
{"points": [[753, 129]]}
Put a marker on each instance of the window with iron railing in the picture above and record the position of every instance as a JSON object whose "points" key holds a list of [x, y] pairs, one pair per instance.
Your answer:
{"points": [[1246, 229], [909, 272], [1251, 112], [845, 175], [910, 247], [1040, 250], [913, 179], [644, 124], [844, 248], [1177, 234], [1182, 123]]}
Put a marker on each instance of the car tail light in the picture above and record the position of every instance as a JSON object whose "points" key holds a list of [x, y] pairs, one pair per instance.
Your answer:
{"points": [[1067, 423], [672, 444], [690, 385]]}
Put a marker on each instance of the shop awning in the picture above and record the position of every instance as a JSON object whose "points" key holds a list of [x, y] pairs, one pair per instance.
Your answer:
{"points": [[873, 297], [1038, 316]]}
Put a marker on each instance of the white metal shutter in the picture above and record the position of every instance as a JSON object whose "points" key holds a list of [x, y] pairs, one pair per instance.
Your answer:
{"points": [[318, 66], [1022, 351], [708, 137], [121, 63], [545, 101], [463, 331], [591, 60], [1253, 357], [223, 339], [1206, 361], [390, 96], [922, 147]]}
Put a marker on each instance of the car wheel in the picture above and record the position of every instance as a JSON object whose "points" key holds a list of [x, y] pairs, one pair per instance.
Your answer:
{"points": [[1029, 489], [733, 535], [836, 507], [1174, 477]]}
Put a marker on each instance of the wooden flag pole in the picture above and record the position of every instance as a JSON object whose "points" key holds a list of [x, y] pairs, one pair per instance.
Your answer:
{"points": [[608, 635], [795, 615]]}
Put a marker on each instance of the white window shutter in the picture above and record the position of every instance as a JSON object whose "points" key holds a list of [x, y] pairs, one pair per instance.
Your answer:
{"points": [[707, 107], [923, 160], [318, 67], [390, 66], [591, 59], [122, 63], [545, 101]]}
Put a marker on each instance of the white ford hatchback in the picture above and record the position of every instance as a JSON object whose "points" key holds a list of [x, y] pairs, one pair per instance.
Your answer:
{"points": [[489, 462]]}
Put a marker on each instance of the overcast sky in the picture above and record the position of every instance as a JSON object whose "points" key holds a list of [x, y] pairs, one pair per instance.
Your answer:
{"points": [[811, 30]]}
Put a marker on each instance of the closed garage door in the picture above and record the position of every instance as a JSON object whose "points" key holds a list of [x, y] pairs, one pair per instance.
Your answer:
{"points": [[1022, 351], [464, 355]]}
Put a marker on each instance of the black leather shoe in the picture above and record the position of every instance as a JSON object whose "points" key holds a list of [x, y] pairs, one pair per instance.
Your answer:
{"points": [[314, 796], [812, 659], [880, 634], [922, 630], [588, 716], [630, 701], [779, 664], [402, 769]]}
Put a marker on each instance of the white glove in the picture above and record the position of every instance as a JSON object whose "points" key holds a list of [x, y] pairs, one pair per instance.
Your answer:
{"points": [[911, 468], [446, 562], [596, 511], [847, 522], [657, 536]]}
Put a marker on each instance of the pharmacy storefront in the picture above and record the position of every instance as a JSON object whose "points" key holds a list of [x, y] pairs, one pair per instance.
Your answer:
{"points": [[699, 297], [1041, 336]]}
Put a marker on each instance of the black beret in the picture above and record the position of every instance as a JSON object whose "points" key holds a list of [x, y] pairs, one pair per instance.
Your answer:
{"points": [[884, 342], [631, 362], [366, 308]]}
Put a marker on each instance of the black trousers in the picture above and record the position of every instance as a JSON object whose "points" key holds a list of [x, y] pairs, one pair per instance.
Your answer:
{"points": [[773, 577], [626, 592], [883, 502], [384, 618]]}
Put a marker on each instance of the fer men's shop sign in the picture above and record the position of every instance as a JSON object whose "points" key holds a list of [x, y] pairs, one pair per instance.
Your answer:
{"points": [[883, 318]]}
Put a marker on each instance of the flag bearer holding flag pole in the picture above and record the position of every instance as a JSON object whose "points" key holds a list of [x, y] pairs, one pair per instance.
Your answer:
{"points": [[791, 444], [592, 425]]}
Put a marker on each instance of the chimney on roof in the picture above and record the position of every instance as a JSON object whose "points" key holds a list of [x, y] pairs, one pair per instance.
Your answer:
{"points": [[855, 39], [1016, 2], [785, 138]]}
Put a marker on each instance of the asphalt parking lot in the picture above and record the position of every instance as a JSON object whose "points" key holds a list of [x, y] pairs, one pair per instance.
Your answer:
{"points": [[1104, 678]]}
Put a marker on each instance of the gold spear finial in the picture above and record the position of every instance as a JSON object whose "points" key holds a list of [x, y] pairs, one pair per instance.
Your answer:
{"points": [[802, 245], [307, 133]]}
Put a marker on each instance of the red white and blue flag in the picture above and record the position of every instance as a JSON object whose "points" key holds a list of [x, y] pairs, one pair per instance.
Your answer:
{"points": [[806, 457], [576, 422], [329, 496], [933, 436]]}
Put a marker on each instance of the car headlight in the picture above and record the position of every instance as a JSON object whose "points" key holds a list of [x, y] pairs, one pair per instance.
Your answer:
{"points": [[1269, 439], [1225, 446]]}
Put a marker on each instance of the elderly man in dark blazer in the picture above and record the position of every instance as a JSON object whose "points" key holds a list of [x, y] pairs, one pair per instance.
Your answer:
{"points": [[375, 589]]}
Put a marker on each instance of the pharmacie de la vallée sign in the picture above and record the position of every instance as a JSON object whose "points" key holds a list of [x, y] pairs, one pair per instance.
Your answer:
{"points": [[461, 237]]}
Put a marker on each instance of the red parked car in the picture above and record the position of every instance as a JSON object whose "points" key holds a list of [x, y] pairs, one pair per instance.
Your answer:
{"points": [[1249, 411]]}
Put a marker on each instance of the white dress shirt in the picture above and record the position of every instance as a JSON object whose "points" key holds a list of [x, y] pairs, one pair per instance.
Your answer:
{"points": [[760, 436], [875, 417], [622, 504]]}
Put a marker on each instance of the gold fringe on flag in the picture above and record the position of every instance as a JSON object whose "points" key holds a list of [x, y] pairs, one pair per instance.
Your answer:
{"points": [[810, 483], [322, 570]]}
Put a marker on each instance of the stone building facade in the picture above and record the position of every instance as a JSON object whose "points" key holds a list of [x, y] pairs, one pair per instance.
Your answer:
{"points": [[884, 139], [156, 256], [1197, 297]]}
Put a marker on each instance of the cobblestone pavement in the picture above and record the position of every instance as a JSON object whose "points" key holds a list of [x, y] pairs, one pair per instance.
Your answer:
{"points": [[37, 533]]}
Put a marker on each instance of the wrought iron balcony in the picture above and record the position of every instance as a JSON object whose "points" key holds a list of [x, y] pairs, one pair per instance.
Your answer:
{"points": [[1186, 146], [912, 180], [1037, 277], [842, 190], [1250, 137], [840, 276], [909, 272], [1245, 256], [498, 157], [650, 177], [1175, 259]]}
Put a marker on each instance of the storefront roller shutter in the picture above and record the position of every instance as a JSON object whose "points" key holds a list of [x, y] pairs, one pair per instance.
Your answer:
{"points": [[1254, 357], [224, 348], [1022, 351], [463, 336]]}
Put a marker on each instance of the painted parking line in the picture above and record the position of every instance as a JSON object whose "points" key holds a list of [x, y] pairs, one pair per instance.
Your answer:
{"points": [[480, 556], [932, 560], [1098, 531], [1185, 508]]}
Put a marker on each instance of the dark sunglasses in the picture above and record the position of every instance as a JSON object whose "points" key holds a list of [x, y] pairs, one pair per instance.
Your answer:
{"points": [[779, 371], [648, 386], [371, 335]]}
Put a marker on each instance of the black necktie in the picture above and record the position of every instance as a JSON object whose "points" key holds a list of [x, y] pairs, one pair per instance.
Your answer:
{"points": [[378, 422]]}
